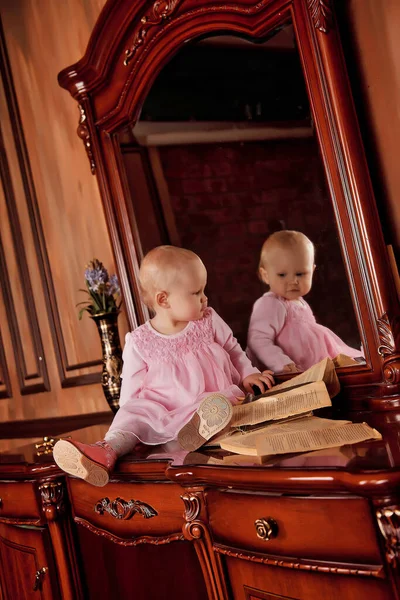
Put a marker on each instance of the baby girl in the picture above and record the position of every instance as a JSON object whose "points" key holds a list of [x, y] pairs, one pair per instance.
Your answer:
{"points": [[181, 375], [283, 333]]}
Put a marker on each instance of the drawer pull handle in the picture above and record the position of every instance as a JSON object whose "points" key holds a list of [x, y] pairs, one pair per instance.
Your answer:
{"points": [[1, 503], [39, 575], [122, 509], [267, 529]]}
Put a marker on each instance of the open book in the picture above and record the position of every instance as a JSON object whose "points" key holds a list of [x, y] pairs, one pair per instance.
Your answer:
{"points": [[281, 420]]}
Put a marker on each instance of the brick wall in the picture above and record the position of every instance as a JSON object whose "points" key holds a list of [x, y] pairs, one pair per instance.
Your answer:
{"points": [[227, 198]]}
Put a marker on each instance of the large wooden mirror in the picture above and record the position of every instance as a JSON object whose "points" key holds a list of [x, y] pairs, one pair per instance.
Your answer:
{"points": [[226, 141], [171, 93]]}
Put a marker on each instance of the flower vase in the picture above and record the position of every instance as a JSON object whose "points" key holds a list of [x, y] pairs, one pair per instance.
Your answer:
{"points": [[107, 325]]}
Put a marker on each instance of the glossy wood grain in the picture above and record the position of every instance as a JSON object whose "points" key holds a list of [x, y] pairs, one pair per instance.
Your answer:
{"points": [[19, 501], [253, 581], [25, 552], [163, 499], [372, 49], [335, 513], [232, 518], [163, 572], [57, 219]]}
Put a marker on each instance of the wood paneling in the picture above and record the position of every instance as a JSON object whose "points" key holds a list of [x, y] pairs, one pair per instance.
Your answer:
{"points": [[14, 266], [5, 388], [370, 29], [50, 203], [17, 147]]}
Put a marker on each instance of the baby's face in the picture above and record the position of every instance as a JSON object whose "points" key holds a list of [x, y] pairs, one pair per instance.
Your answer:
{"points": [[289, 271], [186, 296]]}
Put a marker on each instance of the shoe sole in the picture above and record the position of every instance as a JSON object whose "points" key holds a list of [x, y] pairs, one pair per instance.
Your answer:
{"points": [[213, 414], [74, 462]]}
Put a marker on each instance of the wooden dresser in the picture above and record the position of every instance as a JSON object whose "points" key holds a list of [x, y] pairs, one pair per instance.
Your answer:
{"points": [[317, 526]]}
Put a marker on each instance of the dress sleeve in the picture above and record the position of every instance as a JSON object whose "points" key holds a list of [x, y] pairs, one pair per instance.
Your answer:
{"points": [[133, 371], [266, 322], [224, 337]]}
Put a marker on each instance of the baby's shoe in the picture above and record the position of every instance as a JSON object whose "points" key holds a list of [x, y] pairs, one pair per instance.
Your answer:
{"points": [[213, 414], [91, 462]]}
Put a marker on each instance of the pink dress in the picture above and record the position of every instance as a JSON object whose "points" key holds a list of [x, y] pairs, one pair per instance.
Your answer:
{"points": [[285, 331], [165, 377]]}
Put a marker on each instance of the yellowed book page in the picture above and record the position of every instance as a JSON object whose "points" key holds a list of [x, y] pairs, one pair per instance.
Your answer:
{"points": [[245, 443], [304, 441], [322, 371], [224, 435], [293, 402], [304, 424]]}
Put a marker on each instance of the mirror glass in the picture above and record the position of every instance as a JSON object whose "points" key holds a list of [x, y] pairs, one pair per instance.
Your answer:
{"points": [[223, 155]]}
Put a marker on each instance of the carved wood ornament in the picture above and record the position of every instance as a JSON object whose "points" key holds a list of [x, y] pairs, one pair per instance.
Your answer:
{"points": [[84, 134], [135, 541], [389, 335], [303, 564], [52, 499], [321, 14], [389, 525], [131, 43], [195, 530], [124, 509], [160, 11]]}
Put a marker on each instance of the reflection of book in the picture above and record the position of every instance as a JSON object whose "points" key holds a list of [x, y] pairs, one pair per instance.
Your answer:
{"points": [[302, 435], [342, 360], [281, 421], [326, 458]]}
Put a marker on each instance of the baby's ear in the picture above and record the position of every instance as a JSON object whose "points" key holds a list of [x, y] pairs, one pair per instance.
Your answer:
{"points": [[162, 299], [263, 275]]}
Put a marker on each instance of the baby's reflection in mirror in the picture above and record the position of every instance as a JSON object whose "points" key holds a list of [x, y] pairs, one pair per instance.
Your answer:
{"points": [[283, 333]]}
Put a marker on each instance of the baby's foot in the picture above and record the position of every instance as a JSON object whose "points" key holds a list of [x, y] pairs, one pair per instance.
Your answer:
{"points": [[91, 462], [213, 414]]}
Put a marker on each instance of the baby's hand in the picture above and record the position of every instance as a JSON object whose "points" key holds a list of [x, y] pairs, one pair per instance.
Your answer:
{"points": [[290, 368], [263, 380]]}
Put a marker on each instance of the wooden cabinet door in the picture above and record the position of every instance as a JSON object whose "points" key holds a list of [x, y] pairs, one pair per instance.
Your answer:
{"points": [[26, 564], [249, 580]]}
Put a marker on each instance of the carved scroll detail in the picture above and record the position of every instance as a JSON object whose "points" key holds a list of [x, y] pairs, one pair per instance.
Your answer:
{"points": [[386, 336], [159, 12], [389, 525], [52, 499], [192, 506], [391, 372], [84, 133], [389, 337], [321, 14], [193, 528], [124, 510]]}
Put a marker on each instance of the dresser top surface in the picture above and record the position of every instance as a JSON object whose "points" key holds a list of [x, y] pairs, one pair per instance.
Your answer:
{"points": [[369, 458]]}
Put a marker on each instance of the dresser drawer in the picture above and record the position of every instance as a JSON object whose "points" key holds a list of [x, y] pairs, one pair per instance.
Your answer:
{"points": [[332, 529], [128, 510], [18, 501]]}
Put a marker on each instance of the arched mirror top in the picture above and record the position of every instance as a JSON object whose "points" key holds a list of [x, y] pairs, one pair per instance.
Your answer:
{"points": [[133, 40], [131, 44]]}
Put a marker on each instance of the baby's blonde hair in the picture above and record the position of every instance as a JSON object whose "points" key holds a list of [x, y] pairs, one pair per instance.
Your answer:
{"points": [[282, 239], [159, 269]]}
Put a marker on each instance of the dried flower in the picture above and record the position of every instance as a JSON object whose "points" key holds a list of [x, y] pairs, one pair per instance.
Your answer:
{"points": [[102, 290]]}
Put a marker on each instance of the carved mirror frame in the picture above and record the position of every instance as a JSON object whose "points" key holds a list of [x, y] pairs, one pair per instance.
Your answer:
{"points": [[134, 39]]}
